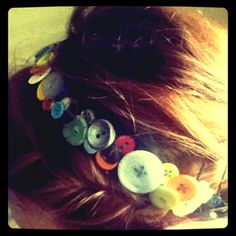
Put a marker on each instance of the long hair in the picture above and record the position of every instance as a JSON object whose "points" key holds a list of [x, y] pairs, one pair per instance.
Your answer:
{"points": [[157, 72]]}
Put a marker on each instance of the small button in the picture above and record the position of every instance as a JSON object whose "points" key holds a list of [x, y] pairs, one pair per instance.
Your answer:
{"points": [[88, 148], [164, 197], [170, 171], [57, 110], [39, 69], [66, 102], [43, 51], [88, 115], [34, 79], [52, 85], [103, 164], [185, 185], [45, 59], [47, 104], [125, 143], [40, 94], [75, 131], [215, 201], [140, 171], [101, 134]]}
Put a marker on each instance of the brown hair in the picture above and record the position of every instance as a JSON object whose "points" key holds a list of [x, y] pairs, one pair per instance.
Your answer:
{"points": [[149, 70]]}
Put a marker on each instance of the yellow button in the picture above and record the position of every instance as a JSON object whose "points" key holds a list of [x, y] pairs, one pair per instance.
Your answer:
{"points": [[185, 185], [40, 94], [170, 171], [164, 197], [44, 60]]}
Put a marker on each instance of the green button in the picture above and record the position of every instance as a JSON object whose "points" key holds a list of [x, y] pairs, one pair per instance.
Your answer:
{"points": [[75, 131]]}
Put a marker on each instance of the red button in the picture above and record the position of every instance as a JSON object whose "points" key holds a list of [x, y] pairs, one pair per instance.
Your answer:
{"points": [[125, 143], [47, 104]]}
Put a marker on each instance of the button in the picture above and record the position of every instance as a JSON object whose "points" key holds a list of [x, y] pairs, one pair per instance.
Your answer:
{"points": [[140, 171], [52, 85], [66, 102], [45, 59], [39, 69], [103, 164], [47, 104], [88, 148], [164, 197], [75, 131], [125, 143], [170, 171], [185, 185], [112, 154], [57, 110], [40, 94], [101, 134], [88, 115], [43, 51], [215, 201], [34, 79]]}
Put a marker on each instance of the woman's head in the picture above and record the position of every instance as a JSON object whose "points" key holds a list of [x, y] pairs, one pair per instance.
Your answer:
{"points": [[154, 73]]}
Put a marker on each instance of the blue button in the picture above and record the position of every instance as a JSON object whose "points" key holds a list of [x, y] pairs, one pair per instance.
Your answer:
{"points": [[52, 85], [101, 134], [57, 110], [140, 171]]}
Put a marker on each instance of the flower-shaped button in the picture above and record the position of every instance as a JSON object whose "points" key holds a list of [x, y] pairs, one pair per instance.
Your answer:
{"points": [[75, 131], [52, 85], [164, 197], [125, 143], [101, 134], [88, 115], [140, 171]]}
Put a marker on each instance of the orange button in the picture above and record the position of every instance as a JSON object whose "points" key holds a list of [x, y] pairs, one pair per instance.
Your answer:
{"points": [[103, 164], [40, 94], [185, 185]]}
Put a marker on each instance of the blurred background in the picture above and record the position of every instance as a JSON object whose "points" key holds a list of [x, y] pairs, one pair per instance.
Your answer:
{"points": [[30, 29]]}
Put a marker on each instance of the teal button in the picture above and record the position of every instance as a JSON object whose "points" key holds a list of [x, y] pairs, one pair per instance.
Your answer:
{"points": [[57, 110], [140, 171], [52, 85], [75, 131], [101, 134]]}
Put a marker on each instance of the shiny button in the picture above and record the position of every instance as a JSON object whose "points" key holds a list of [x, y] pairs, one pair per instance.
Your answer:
{"points": [[57, 110], [88, 148], [125, 143], [88, 115], [52, 85], [66, 102], [101, 134], [140, 171], [170, 171], [45, 59], [185, 185], [164, 197], [43, 51], [75, 131], [103, 164], [36, 78], [39, 93]]}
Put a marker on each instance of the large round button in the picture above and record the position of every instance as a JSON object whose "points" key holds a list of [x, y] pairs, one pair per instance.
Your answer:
{"points": [[170, 171], [75, 131], [34, 79], [88, 115], [101, 134], [185, 185], [39, 93], [164, 197], [57, 110], [53, 84], [125, 143], [140, 171], [103, 164]]}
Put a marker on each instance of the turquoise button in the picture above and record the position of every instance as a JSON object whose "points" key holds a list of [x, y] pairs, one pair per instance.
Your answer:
{"points": [[57, 110], [75, 131], [140, 171], [88, 115], [101, 134], [52, 85]]}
